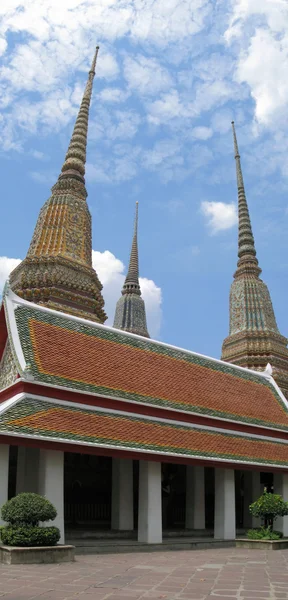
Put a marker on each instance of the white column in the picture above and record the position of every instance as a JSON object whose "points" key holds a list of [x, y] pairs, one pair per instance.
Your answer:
{"points": [[27, 470], [256, 493], [150, 503], [281, 487], [4, 475], [195, 498], [225, 517], [51, 484], [122, 518]]}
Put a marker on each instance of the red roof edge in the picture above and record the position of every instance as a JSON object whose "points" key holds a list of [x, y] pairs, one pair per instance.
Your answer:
{"points": [[65, 447], [137, 409]]}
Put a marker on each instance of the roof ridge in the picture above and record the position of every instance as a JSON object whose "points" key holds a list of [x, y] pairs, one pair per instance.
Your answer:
{"points": [[12, 298]]}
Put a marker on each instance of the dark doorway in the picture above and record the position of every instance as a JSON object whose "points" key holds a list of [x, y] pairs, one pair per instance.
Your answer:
{"points": [[87, 490]]}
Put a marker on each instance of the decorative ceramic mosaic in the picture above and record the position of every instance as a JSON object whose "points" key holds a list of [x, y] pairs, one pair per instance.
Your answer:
{"points": [[106, 362], [40, 418], [57, 271], [254, 338], [8, 369], [130, 314], [251, 307]]}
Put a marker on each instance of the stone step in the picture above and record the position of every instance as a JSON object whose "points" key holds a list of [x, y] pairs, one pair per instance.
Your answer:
{"points": [[84, 534], [90, 546]]}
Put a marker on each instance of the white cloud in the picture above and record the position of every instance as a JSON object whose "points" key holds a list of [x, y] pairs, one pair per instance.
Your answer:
{"points": [[111, 273], [166, 76], [270, 12], [267, 78], [163, 151], [121, 166], [6, 266], [220, 216], [121, 124], [202, 133], [113, 95], [260, 28], [146, 75], [166, 108], [221, 120], [152, 296], [212, 93], [52, 38]]}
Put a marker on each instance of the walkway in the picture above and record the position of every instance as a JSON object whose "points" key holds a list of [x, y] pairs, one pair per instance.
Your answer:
{"points": [[225, 574]]}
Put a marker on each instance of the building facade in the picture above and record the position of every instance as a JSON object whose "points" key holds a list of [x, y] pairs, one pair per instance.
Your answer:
{"points": [[118, 430]]}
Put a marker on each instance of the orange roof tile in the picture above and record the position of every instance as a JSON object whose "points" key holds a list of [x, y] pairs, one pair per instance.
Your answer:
{"points": [[36, 417], [87, 357]]}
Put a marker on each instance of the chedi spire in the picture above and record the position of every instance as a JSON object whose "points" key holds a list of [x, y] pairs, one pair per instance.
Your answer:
{"points": [[57, 271], [74, 164], [247, 262], [254, 338], [131, 284], [130, 314]]}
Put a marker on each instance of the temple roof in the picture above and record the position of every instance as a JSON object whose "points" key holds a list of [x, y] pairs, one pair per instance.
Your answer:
{"points": [[60, 350], [30, 417]]}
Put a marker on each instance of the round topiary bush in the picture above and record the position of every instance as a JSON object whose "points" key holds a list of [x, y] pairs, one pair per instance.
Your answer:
{"points": [[30, 536], [28, 509], [269, 507], [23, 514]]}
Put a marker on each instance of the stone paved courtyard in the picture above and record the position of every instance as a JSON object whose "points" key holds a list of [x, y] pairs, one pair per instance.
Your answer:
{"points": [[226, 573]]}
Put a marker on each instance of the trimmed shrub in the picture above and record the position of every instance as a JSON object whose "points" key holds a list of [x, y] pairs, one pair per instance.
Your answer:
{"points": [[29, 536], [264, 533], [28, 509], [268, 507], [23, 514]]}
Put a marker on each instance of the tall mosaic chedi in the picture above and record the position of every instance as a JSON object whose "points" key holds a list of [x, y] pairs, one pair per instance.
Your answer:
{"points": [[57, 271], [254, 338], [130, 314]]}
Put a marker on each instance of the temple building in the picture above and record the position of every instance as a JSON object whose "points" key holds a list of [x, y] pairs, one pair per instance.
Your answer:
{"points": [[119, 431], [130, 314], [254, 338]]}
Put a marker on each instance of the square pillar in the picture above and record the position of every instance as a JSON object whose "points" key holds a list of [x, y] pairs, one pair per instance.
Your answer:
{"points": [[51, 484], [281, 487], [122, 518], [150, 503], [195, 498], [4, 476], [225, 514], [27, 470]]}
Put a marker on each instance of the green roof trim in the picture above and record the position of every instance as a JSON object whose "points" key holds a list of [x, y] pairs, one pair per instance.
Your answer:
{"points": [[32, 407]]}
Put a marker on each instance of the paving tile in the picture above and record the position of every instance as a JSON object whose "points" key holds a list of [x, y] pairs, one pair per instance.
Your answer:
{"points": [[194, 575]]}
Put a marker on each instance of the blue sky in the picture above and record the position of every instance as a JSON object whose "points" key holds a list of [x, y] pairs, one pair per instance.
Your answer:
{"points": [[170, 77]]}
